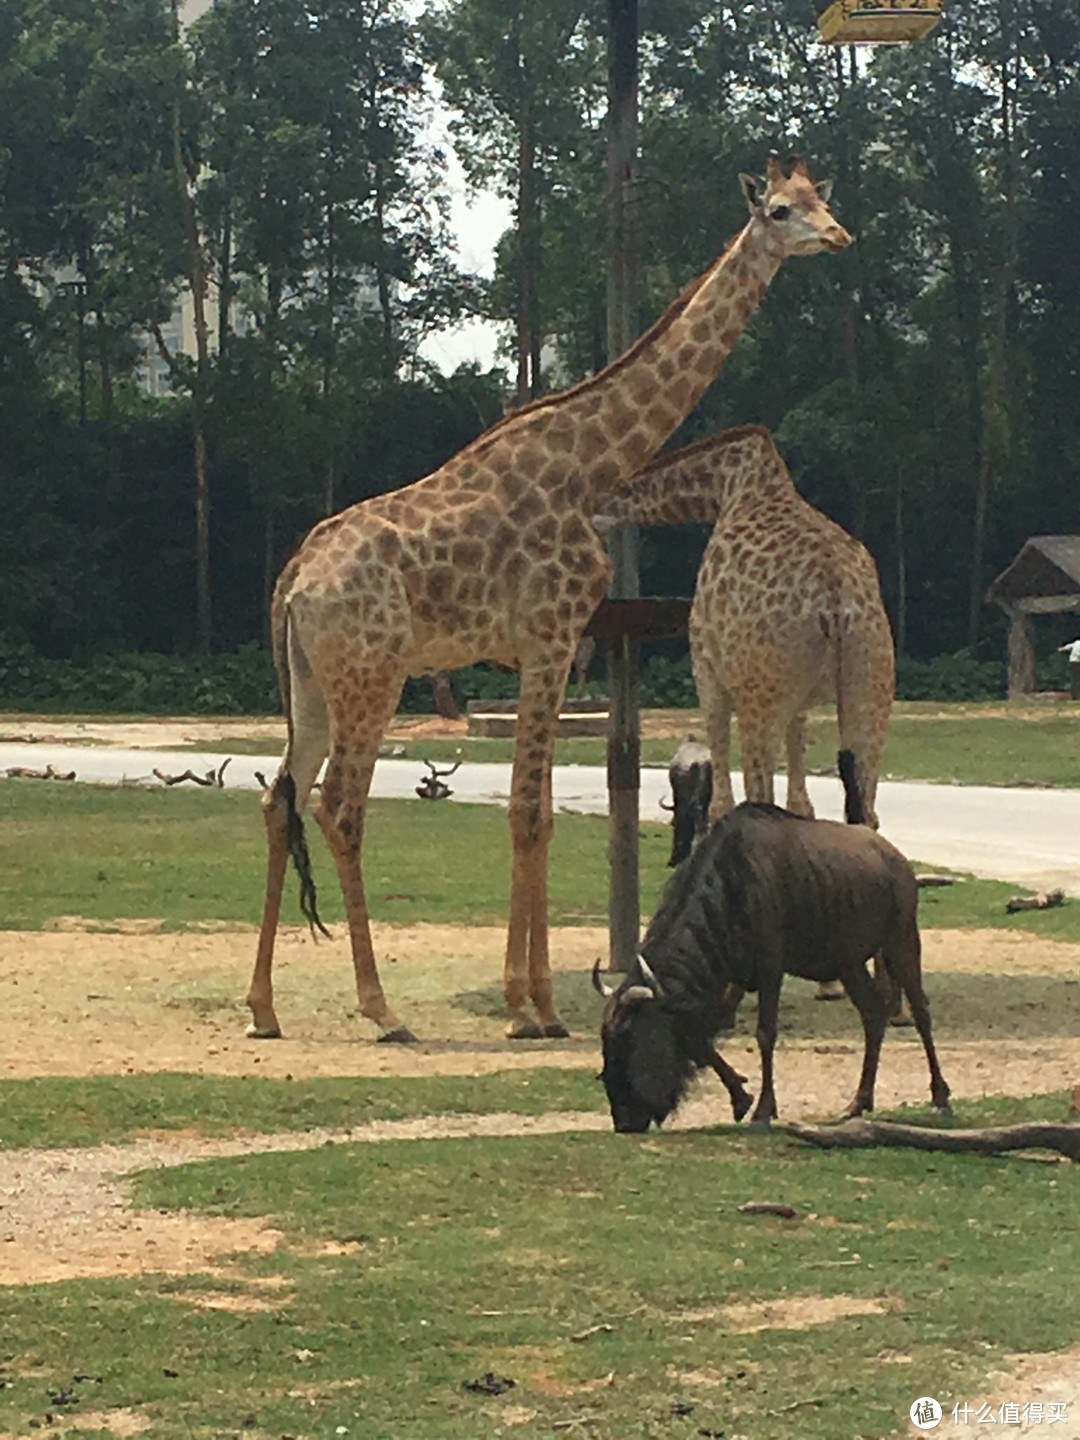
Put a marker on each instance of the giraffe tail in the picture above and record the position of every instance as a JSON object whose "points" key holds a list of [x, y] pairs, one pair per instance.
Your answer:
{"points": [[854, 802], [285, 785], [837, 627]]}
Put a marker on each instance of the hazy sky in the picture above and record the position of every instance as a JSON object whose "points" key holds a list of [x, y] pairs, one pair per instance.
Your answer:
{"points": [[477, 221]]}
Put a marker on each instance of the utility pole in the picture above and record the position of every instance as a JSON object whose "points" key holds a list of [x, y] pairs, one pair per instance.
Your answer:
{"points": [[624, 734]]}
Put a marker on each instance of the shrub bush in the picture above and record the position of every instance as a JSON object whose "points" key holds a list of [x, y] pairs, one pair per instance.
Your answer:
{"points": [[244, 683], [960, 676]]}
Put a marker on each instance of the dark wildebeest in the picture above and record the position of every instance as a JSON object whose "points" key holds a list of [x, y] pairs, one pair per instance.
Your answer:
{"points": [[766, 893], [690, 776]]}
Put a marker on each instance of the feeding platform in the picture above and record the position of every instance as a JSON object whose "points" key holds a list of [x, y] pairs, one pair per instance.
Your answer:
{"points": [[858, 22]]}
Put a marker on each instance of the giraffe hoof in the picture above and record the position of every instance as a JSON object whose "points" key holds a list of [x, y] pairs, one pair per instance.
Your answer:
{"points": [[264, 1032], [524, 1030], [555, 1030], [398, 1035]]}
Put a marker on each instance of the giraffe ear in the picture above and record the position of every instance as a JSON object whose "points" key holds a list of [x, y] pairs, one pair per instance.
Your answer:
{"points": [[754, 189], [824, 190]]}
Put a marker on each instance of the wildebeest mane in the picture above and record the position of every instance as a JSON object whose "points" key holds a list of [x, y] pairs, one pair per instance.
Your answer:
{"points": [[704, 927]]}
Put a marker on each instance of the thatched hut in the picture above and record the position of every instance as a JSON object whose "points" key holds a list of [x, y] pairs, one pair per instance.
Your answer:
{"points": [[1044, 579]]}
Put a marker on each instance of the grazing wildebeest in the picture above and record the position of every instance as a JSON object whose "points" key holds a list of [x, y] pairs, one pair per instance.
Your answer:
{"points": [[690, 777], [765, 894]]}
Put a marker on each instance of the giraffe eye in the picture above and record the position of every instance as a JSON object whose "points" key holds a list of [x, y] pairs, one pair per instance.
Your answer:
{"points": [[780, 212]]}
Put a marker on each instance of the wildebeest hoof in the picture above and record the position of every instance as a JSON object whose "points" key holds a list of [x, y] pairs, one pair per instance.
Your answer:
{"points": [[264, 1032], [524, 1030], [761, 1122], [740, 1104], [398, 1035], [556, 1030]]}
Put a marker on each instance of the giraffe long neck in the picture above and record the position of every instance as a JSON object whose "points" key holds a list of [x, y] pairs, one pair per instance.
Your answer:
{"points": [[602, 431], [701, 483]]}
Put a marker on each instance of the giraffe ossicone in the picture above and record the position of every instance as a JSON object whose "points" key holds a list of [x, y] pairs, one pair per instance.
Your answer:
{"points": [[493, 557]]}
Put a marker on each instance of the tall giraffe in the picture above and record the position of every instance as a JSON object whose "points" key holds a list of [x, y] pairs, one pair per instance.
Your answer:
{"points": [[787, 613], [492, 557]]}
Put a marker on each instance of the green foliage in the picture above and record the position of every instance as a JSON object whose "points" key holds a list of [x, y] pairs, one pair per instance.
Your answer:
{"points": [[243, 683], [961, 676], [919, 383]]}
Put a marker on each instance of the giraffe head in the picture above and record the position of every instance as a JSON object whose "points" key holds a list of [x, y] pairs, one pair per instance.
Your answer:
{"points": [[793, 211]]}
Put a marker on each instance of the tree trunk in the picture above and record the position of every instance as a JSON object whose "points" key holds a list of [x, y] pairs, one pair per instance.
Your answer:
{"points": [[527, 340], [225, 281], [901, 570], [389, 365], [197, 282], [329, 497]]}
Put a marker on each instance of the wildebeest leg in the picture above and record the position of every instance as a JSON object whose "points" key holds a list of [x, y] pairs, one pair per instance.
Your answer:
{"points": [[866, 995], [920, 1013], [899, 1013], [768, 1021], [741, 1100]]}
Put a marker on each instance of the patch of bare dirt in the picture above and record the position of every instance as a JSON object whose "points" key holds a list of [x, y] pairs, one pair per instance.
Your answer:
{"points": [[77, 1002], [1048, 1384], [794, 1312], [120, 1423]]}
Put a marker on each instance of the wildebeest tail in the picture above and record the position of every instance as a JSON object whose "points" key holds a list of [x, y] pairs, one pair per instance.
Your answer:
{"points": [[854, 804], [298, 850]]}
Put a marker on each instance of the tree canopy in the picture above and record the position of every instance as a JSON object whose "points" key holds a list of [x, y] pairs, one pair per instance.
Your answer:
{"points": [[279, 157]]}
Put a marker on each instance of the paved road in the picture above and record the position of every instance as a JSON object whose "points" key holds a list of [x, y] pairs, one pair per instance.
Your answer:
{"points": [[1030, 836]]}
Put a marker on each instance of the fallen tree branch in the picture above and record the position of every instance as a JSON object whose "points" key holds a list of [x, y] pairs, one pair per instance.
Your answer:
{"points": [[865, 1134], [212, 777], [768, 1207], [928, 882], [1044, 900], [23, 772]]}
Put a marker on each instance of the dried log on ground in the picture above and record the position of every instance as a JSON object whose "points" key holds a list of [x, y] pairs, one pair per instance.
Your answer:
{"points": [[23, 772], [929, 882], [866, 1134], [1044, 900], [768, 1207], [212, 777]]}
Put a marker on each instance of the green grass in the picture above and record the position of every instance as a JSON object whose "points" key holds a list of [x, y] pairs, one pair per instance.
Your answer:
{"points": [[193, 856], [1031, 742], [473, 1256], [105, 1109]]}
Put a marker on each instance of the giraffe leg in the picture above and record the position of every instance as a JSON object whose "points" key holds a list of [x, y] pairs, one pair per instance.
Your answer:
{"points": [[798, 797], [341, 812], [759, 750], [527, 975], [717, 706], [308, 744]]}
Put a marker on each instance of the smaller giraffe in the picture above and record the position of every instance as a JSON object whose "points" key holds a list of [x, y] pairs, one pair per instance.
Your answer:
{"points": [[787, 613]]}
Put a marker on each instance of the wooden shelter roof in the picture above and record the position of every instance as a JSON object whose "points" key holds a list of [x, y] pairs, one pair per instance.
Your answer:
{"points": [[1047, 566]]}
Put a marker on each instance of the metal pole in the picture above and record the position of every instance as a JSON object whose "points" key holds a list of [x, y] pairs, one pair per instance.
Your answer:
{"points": [[624, 734]]}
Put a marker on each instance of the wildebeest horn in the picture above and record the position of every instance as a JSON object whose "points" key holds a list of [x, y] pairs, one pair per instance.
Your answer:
{"points": [[667, 805], [636, 994], [648, 976], [598, 985]]}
